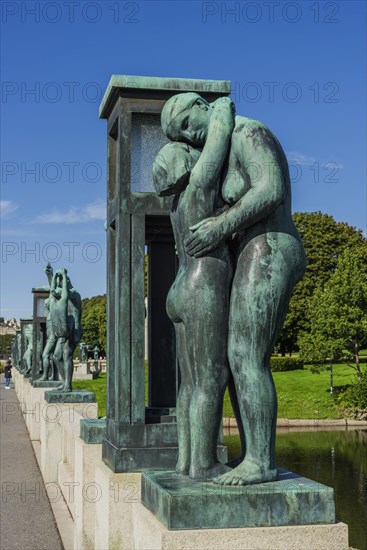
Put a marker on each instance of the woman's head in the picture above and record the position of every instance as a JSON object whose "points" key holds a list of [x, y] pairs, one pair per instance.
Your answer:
{"points": [[172, 167], [185, 117]]}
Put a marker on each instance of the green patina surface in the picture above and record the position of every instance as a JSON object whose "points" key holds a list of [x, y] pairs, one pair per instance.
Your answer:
{"points": [[60, 396], [139, 83], [181, 503], [46, 383], [93, 430]]}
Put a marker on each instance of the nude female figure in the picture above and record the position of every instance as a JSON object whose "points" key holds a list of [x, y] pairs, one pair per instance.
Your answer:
{"points": [[198, 300], [269, 261]]}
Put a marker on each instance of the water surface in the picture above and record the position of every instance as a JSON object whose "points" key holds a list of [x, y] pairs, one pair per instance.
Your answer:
{"points": [[335, 458]]}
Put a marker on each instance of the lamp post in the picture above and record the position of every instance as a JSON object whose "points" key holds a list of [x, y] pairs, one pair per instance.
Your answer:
{"points": [[140, 437], [331, 379]]}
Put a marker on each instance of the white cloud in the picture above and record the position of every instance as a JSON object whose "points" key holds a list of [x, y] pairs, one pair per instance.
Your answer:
{"points": [[76, 214], [7, 208], [294, 157]]}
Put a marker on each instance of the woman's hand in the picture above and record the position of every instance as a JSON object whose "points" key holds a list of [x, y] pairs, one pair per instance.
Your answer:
{"points": [[207, 235]]}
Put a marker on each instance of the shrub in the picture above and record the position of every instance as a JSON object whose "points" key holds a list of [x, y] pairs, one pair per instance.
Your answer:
{"points": [[353, 400], [282, 364]]}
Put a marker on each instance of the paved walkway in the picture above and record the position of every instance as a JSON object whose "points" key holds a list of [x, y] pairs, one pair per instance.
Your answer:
{"points": [[26, 519]]}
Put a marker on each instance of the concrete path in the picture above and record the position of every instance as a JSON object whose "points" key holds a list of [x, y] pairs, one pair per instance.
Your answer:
{"points": [[26, 519]]}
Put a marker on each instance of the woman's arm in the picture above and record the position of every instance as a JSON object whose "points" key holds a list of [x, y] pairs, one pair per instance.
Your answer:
{"points": [[207, 169], [257, 152]]}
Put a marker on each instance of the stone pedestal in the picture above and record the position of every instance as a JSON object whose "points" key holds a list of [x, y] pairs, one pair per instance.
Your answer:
{"points": [[93, 431], [81, 376], [150, 534], [26, 403], [54, 406], [84, 368], [83, 372], [181, 503], [37, 391], [87, 493], [114, 509], [46, 384]]}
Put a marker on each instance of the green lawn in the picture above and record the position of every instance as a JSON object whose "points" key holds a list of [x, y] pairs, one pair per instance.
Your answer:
{"points": [[98, 386], [301, 393]]}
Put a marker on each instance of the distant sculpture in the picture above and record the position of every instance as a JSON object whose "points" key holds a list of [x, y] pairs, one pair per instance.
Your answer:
{"points": [[65, 311], [96, 360], [198, 300], [49, 371], [268, 258], [83, 352], [27, 356], [18, 349]]}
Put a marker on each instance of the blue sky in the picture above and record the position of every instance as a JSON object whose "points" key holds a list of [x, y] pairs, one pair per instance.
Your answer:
{"points": [[296, 66]]}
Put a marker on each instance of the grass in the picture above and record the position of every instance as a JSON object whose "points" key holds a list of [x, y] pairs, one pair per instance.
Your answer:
{"points": [[306, 395], [301, 393], [98, 386]]}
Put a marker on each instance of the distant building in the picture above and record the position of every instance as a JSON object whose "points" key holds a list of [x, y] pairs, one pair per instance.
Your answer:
{"points": [[8, 326]]}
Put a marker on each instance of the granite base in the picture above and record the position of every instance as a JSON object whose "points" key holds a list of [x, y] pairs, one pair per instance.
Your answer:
{"points": [[181, 503]]}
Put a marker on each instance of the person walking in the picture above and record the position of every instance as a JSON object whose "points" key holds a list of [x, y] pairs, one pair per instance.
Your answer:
{"points": [[7, 374]]}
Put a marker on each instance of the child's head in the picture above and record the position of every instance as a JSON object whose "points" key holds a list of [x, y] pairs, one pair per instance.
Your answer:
{"points": [[172, 167]]}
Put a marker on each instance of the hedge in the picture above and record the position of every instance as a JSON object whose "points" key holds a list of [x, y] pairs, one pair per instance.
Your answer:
{"points": [[282, 364]]}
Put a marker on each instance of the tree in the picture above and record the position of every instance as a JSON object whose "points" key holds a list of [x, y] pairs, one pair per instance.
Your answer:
{"points": [[94, 321], [338, 324], [324, 240], [5, 343]]}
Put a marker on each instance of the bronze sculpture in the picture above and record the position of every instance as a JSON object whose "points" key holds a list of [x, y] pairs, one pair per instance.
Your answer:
{"points": [[268, 257]]}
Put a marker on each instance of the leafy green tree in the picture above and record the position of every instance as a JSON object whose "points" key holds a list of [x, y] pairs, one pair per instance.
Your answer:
{"points": [[94, 321], [324, 240], [94, 317], [5, 343], [338, 313]]}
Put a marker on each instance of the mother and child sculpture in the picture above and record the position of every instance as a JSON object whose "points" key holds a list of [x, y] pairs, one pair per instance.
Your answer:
{"points": [[240, 256]]}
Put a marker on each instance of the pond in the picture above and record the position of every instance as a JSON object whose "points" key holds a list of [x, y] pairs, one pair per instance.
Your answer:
{"points": [[335, 458]]}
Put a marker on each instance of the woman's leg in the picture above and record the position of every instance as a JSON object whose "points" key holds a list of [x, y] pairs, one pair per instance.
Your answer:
{"points": [[261, 290]]}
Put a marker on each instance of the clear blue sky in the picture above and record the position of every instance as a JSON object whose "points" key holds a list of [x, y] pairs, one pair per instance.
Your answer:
{"points": [[296, 66]]}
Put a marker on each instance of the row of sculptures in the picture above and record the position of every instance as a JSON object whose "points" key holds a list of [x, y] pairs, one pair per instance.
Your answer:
{"points": [[63, 332], [240, 256]]}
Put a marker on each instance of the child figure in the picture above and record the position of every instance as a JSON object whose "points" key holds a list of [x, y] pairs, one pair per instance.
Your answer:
{"points": [[198, 300]]}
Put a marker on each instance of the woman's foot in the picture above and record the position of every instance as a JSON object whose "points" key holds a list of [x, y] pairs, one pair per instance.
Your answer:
{"points": [[247, 473]]}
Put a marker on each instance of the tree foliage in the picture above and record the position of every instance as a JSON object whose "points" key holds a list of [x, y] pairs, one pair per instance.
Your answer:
{"points": [[5, 343], [94, 321], [324, 240], [94, 317], [338, 312]]}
